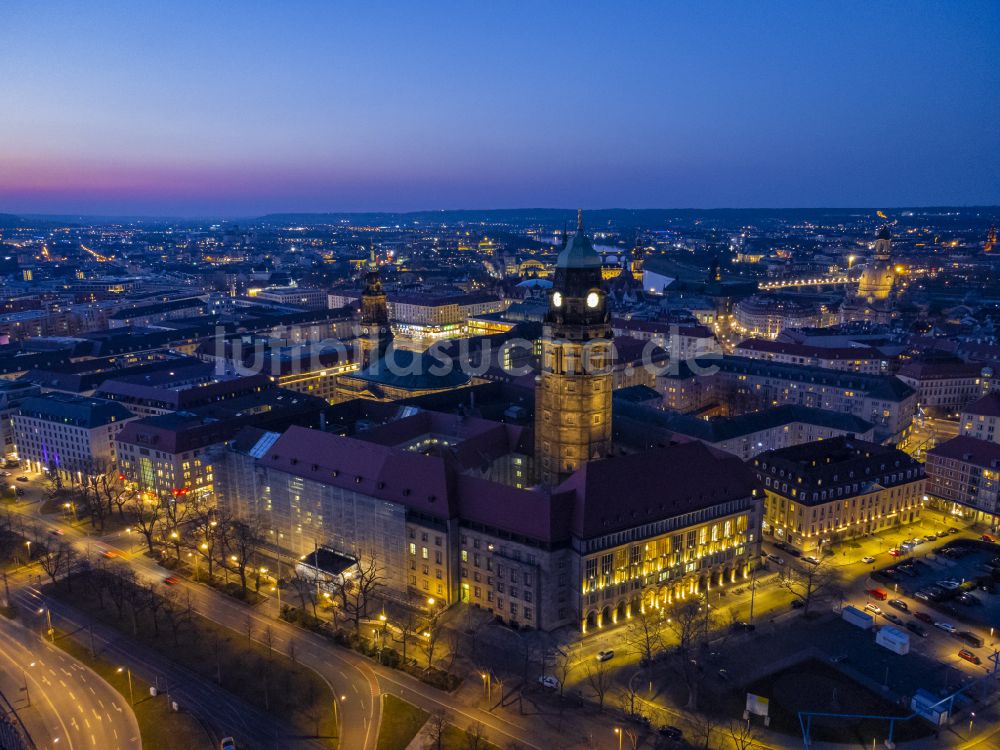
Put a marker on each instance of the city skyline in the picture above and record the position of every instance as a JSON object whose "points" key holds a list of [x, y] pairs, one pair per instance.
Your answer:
{"points": [[209, 112]]}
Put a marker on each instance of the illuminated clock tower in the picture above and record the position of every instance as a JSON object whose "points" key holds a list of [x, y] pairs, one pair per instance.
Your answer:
{"points": [[573, 395], [376, 335]]}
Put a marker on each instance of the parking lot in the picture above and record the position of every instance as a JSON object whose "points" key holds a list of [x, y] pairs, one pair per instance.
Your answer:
{"points": [[952, 580]]}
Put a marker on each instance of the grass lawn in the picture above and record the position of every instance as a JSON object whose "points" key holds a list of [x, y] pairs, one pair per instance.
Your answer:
{"points": [[400, 723], [459, 739], [164, 623], [161, 728], [816, 686]]}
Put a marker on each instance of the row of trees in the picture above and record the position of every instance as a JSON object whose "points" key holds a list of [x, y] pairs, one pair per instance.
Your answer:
{"points": [[182, 527]]}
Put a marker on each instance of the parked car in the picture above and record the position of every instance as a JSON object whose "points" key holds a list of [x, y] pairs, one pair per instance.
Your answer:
{"points": [[969, 656], [946, 627], [547, 680], [922, 595], [746, 626], [22, 479], [873, 608], [867, 559], [811, 560], [971, 638], [917, 629], [56, 532], [949, 585], [776, 559], [987, 538], [671, 732], [895, 552], [19, 492], [952, 530], [932, 537], [798, 604], [968, 599], [605, 655], [894, 619], [924, 617], [899, 604], [228, 743]]}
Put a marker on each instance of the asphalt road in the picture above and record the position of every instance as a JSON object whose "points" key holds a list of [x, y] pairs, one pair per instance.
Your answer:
{"points": [[66, 705]]}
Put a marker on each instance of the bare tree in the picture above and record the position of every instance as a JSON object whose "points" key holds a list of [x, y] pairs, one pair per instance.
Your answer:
{"points": [[209, 526], [744, 735], [306, 589], [691, 621], [147, 516], [243, 542], [436, 729], [599, 679], [563, 667], [58, 559], [809, 583], [475, 737], [356, 590], [704, 731], [643, 634]]}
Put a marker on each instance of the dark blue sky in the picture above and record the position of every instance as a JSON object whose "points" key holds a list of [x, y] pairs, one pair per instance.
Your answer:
{"points": [[239, 108]]}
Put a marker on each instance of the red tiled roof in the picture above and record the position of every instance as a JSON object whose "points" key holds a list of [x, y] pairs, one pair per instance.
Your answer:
{"points": [[987, 406], [970, 450], [618, 493]]}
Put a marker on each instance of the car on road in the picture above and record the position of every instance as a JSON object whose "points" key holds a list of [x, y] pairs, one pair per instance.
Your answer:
{"points": [[22, 479], [952, 530], [228, 743], [798, 604], [969, 656], [171, 580], [924, 617], [946, 627], [810, 559], [895, 552], [895, 619], [971, 638], [745, 626], [917, 629], [605, 655], [776, 559], [867, 559], [987, 538], [56, 532], [899, 604], [670, 732], [107, 552], [547, 680], [873, 608]]}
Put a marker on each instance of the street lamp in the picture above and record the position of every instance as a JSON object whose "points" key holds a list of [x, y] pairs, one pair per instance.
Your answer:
{"points": [[131, 698], [618, 731]]}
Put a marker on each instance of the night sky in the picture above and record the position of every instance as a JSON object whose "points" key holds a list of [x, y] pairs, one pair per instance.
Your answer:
{"points": [[240, 108]]}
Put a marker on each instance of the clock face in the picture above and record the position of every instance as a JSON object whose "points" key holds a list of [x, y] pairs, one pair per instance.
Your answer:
{"points": [[592, 299], [557, 299]]}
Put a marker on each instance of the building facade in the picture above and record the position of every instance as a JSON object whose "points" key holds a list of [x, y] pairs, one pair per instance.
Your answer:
{"points": [[69, 436], [830, 491]]}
